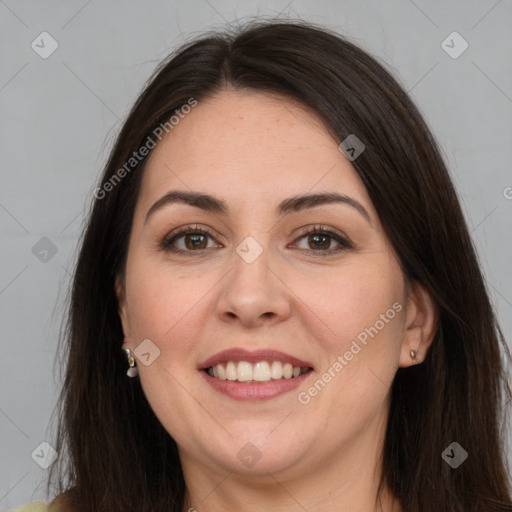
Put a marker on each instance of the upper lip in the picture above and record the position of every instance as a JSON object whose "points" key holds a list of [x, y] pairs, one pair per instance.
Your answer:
{"points": [[241, 354]]}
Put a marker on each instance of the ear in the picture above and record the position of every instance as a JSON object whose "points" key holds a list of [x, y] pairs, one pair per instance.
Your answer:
{"points": [[122, 309], [420, 324]]}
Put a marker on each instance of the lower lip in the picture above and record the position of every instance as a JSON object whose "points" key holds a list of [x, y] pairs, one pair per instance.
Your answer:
{"points": [[251, 392]]}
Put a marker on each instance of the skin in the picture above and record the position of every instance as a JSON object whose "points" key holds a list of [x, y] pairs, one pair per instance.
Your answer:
{"points": [[323, 455]]}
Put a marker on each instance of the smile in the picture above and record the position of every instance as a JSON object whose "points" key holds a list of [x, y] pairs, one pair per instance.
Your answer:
{"points": [[261, 371], [256, 375]]}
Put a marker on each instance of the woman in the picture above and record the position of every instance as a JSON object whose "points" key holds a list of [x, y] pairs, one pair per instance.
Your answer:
{"points": [[277, 304]]}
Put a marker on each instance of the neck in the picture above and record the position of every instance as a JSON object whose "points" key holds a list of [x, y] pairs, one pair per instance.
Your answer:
{"points": [[229, 493]]}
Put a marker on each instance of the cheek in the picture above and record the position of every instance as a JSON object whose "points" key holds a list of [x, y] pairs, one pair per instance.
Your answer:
{"points": [[349, 300], [357, 317], [166, 307], [333, 305]]}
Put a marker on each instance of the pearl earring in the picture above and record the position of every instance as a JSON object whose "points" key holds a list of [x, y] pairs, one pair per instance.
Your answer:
{"points": [[132, 371], [414, 353]]}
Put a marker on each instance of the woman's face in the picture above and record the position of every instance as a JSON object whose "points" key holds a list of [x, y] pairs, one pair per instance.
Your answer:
{"points": [[250, 277]]}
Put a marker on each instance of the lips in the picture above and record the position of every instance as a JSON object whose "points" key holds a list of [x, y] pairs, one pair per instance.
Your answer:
{"points": [[254, 376], [217, 371], [240, 354]]}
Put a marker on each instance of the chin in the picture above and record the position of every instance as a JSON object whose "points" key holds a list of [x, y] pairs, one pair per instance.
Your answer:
{"points": [[261, 451]]}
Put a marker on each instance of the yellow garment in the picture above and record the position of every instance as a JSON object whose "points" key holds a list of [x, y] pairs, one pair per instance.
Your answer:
{"points": [[36, 506]]}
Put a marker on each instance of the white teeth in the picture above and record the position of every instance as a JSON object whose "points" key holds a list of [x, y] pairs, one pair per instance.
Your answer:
{"points": [[231, 371], [262, 371], [244, 371], [277, 370]]}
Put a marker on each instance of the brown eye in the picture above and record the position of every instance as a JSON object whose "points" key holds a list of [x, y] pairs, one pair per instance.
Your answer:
{"points": [[319, 241], [190, 239], [187, 239], [195, 241]]}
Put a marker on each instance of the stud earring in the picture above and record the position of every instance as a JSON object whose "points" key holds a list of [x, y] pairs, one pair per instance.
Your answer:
{"points": [[132, 371], [414, 353]]}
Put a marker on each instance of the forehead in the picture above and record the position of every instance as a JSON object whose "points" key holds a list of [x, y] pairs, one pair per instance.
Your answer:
{"points": [[249, 147]]}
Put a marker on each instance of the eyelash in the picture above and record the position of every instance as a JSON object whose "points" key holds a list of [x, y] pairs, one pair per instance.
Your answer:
{"points": [[167, 242]]}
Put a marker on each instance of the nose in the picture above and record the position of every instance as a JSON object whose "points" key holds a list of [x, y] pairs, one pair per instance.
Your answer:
{"points": [[254, 294]]}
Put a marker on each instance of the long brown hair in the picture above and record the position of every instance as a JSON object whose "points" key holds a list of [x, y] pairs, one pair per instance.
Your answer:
{"points": [[114, 453]]}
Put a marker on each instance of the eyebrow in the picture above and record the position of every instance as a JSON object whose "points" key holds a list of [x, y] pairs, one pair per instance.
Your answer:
{"points": [[213, 204]]}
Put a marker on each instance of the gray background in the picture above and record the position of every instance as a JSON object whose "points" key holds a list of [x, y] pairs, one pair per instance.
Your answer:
{"points": [[60, 115]]}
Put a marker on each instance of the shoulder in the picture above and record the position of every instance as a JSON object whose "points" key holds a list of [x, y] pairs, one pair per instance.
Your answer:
{"points": [[36, 506], [57, 505]]}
